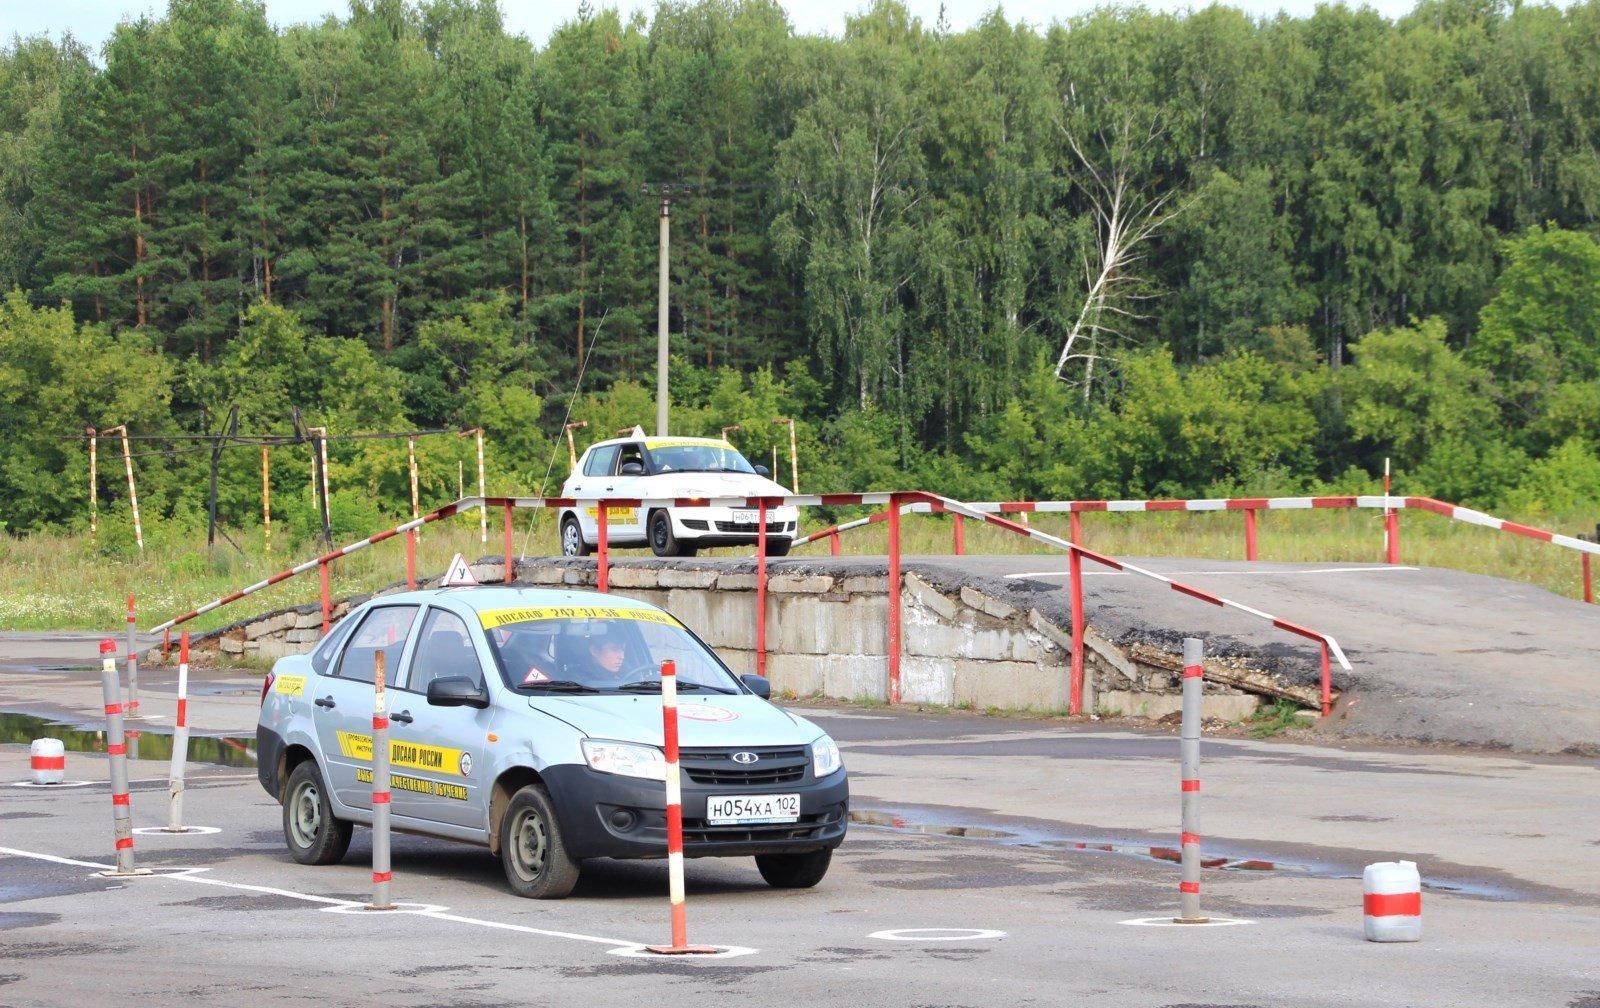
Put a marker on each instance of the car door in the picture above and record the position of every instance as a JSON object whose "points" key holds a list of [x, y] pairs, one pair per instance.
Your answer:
{"points": [[342, 700], [593, 482], [439, 756], [628, 522]]}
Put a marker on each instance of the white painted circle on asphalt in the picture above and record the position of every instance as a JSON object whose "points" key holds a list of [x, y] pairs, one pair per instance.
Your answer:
{"points": [[52, 787], [360, 909], [186, 831], [641, 952], [936, 934], [1171, 922]]}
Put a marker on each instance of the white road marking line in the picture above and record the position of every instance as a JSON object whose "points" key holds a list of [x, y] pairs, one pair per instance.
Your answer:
{"points": [[1210, 573], [193, 875], [936, 934]]}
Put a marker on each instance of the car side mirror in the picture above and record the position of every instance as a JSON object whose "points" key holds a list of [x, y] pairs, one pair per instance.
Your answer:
{"points": [[763, 471], [632, 469], [761, 686], [457, 691]]}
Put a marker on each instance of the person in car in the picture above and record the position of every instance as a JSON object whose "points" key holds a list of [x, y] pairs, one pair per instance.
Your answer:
{"points": [[604, 655]]}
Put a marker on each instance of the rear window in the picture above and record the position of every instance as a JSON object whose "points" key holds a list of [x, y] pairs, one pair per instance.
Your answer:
{"points": [[600, 461], [599, 649]]}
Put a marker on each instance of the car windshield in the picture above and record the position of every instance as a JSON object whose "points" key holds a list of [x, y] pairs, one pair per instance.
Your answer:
{"points": [[698, 457], [599, 649]]}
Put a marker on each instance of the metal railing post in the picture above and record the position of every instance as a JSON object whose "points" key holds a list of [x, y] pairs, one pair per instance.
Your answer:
{"points": [[894, 599], [1189, 778]]}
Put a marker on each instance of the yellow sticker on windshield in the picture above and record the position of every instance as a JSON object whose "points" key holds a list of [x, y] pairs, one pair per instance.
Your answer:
{"points": [[654, 443], [492, 618]]}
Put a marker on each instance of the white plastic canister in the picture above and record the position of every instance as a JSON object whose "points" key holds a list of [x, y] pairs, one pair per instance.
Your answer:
{"points": [[48, 760], [1392, 902]]}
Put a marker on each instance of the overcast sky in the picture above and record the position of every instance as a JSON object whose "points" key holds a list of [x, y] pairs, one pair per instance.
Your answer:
{"points": [[92, 20]]}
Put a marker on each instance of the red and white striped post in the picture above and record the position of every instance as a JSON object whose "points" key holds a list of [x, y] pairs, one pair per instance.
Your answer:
{"points": [[133, 663], [669, 733], [602, 561], [894, 598], [180, 742], [1391, 522], [1250, 534], [327, 600], [1075, 586], [47, 759], [117, 752], [761, 586], [381, 869], [1189, 782]]}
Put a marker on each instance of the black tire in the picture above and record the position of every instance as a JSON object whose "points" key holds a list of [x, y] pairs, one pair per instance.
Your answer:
{"points": [[532, 851], [794, 871], [313, 835], [662, 542], [572, 543], [778, 547]]}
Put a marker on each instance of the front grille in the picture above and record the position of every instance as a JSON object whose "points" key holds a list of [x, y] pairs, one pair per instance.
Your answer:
{"points": [[749, 528], [695, 831], [716, 766]]}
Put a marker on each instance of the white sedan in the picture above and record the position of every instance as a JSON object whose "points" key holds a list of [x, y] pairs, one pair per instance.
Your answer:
{"points": [[637, 466]]}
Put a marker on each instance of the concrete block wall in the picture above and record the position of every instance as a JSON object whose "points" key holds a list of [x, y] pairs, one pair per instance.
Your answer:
{"points": [[828, 635]]}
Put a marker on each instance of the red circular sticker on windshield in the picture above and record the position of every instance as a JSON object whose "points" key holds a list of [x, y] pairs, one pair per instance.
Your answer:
{"points": [[705, 712]]}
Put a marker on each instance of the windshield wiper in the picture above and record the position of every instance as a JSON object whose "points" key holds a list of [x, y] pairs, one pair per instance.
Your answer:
{"points": [[561, 686], [654, 686]]}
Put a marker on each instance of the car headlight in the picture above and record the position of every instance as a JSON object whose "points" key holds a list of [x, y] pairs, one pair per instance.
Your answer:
{"points": [[825, 758], [625, 758]]}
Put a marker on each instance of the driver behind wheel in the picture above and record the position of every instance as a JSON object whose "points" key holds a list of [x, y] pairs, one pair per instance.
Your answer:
{"points": [[606, 655]]}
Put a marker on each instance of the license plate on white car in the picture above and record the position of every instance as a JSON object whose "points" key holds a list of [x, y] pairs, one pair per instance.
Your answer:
{"points": [[745, 810], [744, 517]]}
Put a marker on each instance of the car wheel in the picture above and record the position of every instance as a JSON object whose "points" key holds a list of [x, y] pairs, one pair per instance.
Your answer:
{"points": [[778, 547], [794, 871], [662, 542], [532, 851], [314, 836], [572, 543]]}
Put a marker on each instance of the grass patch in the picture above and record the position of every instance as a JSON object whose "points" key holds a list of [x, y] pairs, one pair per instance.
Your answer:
{"points": [[1273, 719]]}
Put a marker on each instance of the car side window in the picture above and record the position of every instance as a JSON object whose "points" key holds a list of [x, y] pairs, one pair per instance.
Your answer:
{"points": [[323, 655], [631, 453], [383, 629], [600, 461], [443, 649]]}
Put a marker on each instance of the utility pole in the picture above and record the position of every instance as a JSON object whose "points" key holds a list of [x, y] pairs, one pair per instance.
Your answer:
{"points": [[216, 460], [572, 449], [661, 319], [794, 457]]}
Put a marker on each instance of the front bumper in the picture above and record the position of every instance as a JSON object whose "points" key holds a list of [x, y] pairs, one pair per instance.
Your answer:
{"points": [[717, 525], [586, 802]]}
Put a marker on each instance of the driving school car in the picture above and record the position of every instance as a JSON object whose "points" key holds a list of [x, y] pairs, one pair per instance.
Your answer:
{"points": [[529, 721], [637, 466]]}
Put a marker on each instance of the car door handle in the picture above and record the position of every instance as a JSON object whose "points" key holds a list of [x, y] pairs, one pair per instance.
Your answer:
{"points": [[327, 702], [404, 717]]}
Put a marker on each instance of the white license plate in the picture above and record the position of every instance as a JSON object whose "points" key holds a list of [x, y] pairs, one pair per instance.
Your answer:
{"points": [[752, 809], [745, 517]]}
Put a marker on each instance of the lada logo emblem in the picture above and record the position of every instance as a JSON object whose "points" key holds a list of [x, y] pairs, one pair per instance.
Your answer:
{"points": [[745, 758]]}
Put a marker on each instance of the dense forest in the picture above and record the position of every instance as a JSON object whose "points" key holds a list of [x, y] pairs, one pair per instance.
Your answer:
{"points": [[1131, 253]]}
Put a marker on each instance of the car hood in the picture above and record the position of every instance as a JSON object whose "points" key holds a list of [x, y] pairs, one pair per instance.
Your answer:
{"points": [[703, 720], [712, 485]]}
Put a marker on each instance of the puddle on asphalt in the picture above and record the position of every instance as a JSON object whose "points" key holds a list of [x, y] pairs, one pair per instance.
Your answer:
{"points": [[143, 742], [902, 823]]}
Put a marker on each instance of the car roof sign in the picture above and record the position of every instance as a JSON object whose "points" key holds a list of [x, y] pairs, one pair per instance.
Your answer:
{"points": [[459, 575]]}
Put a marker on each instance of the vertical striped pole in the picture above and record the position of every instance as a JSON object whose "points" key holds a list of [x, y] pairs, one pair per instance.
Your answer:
{"points": [[180, 742], [133, 494], [266, 502], [510, 570], [411, 461], [1075, 682], [381, 873], [483, 512], [1391, 522], [94, 491], [894, 599], [327, 600], [602, 560], [117, 751], [133, 663], [669, 733], [1189, 777], [761, 586]]}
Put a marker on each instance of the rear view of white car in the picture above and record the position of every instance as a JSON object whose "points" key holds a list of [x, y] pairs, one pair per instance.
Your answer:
{"points": [[641, 467]]}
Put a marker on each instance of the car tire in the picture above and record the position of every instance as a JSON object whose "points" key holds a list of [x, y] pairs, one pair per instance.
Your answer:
{"points": [[663, 543], [314, 836], [794, 871], [532, 851], [572, 543], [778, 547]]}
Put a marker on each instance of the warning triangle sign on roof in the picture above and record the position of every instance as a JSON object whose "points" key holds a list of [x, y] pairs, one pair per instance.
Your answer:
{"points": [[459, 575]]}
